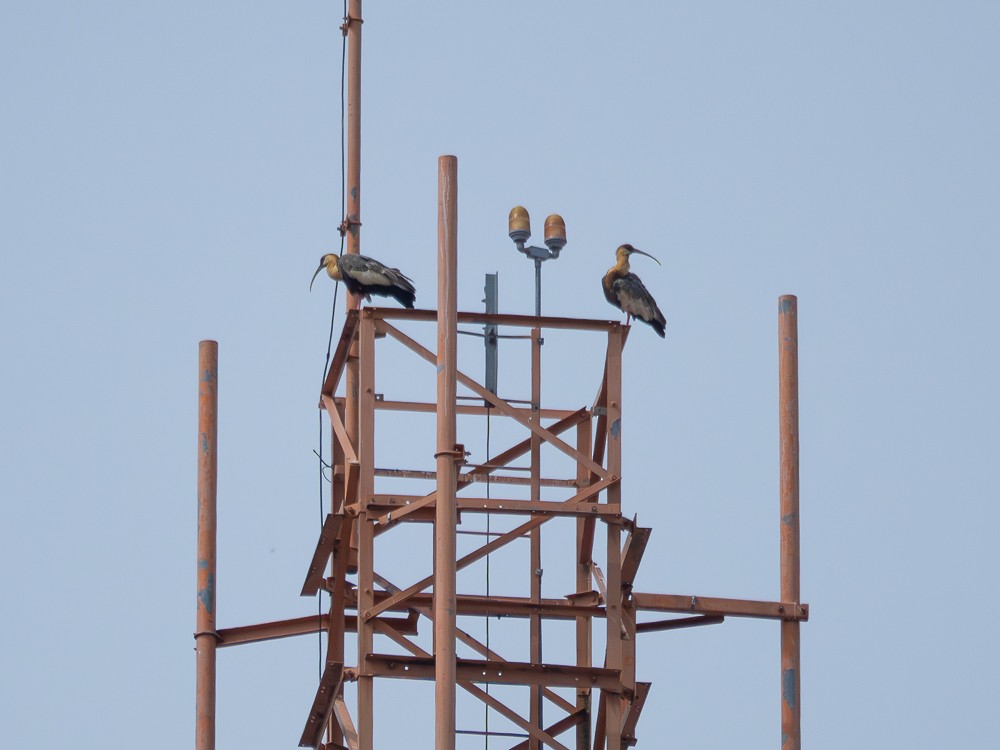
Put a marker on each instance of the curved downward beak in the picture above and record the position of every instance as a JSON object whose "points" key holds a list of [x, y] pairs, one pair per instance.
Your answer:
{"points": [[647, 255], [314, 276]]}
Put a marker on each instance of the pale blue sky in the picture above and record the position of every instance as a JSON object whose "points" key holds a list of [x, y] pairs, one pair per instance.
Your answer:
{"points": [[170, 172]]}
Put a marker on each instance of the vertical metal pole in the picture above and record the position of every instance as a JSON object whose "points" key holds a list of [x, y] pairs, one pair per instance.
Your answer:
{"points": [[353, 218], [366, 721], [583, 583], [445, 518], [365, 531], [788, 410], [534, 620], [205, 635], [538, 288], [354, 135], [615, 655]]}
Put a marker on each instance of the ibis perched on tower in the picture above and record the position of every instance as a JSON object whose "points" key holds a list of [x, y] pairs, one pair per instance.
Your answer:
{"points": [[366, 276], [625, 290]]}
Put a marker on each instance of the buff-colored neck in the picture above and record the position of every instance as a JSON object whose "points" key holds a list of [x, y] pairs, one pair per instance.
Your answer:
{"points": [[621, 261], [333, 268]]}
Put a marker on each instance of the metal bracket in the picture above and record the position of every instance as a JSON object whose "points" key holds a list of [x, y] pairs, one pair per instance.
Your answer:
{"points": [[458, 453], [349, 221], [348, 20], [537, 253], [491, 334]]}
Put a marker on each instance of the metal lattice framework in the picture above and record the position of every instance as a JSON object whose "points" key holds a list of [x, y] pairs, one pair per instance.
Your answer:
{"points": [[394, 610], [363, 513]]}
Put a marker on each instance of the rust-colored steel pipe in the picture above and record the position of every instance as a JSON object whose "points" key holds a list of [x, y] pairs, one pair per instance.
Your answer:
{"points": [[353, 220], [584, 625], [354, 22], [205, 635], [615, 649], [535, 708], [445, 519], [788, 410]]}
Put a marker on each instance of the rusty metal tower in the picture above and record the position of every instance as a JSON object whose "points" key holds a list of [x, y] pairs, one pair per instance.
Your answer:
{"points": [[606, 698]]}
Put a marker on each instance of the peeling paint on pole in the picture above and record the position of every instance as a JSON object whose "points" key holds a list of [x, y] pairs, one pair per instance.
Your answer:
{"points": [[788, 687], [206, 595]]}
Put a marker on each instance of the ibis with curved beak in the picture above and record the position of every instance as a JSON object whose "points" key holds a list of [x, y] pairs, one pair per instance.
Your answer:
{"points": [[366, 276], [625, 290]]}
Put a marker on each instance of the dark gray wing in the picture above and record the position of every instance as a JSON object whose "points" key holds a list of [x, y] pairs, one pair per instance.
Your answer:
{"points": [[635, 299]]}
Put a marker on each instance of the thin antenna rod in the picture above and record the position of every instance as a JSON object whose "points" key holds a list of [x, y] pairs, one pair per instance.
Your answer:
{"points": [[354, 22]]}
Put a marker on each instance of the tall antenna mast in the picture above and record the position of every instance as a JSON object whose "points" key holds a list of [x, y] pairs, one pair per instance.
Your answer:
{"points": [[352, 222], [352, 225]]}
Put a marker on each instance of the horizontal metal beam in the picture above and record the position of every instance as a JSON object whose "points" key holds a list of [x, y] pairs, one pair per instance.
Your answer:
{"points": [[473, 605], [677, 623], [424, 407], [707, 605], [506, 673], [467, 478], [419, 515], [521, 321], [710, 611], [268, 631], [387, 503]]}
